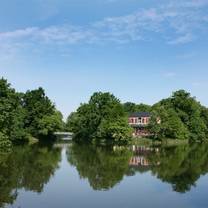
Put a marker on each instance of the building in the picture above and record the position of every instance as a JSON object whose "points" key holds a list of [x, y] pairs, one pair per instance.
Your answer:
{"points": [[139, 121]]}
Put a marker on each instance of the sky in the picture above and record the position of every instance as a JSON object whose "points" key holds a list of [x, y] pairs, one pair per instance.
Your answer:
{"points": [[139, 50]]}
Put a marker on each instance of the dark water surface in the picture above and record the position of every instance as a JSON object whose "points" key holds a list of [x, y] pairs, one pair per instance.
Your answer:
{"points": [[70, 175]]}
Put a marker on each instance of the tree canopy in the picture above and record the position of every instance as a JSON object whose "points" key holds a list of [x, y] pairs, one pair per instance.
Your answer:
{"points": [[130, 107], [182, 117], [101, 120], [25, 115]]}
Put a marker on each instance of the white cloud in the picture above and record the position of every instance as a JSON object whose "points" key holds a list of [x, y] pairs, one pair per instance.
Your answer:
{"points": [[174, 22]]}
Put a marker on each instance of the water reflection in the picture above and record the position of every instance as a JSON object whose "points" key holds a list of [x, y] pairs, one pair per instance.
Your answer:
{"points": [[103, 167], [28, 167], [181, 166]]}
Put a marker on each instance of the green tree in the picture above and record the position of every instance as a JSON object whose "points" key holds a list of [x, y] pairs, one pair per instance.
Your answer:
{"points": [[71, 121], [102, 119], [181, 116], [42, 119], [170, 125], [11, 114], [130, 107]]}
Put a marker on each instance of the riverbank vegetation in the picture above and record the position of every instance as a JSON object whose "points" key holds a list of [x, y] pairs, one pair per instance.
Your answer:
{"points": [[31, 116], [104, 119], [26, 115]]}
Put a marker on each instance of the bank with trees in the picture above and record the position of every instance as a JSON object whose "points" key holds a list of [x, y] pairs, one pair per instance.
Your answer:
{"points": [[24, 116], [104, 119]]}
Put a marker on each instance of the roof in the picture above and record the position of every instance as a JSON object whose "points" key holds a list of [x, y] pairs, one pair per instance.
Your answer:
{"points": [[140, 114]]}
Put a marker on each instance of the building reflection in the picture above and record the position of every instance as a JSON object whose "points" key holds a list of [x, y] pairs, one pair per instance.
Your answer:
{"points": [[140, 157]]}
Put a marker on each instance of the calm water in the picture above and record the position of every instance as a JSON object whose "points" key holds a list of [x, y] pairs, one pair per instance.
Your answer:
{"points": [[69, 175]]}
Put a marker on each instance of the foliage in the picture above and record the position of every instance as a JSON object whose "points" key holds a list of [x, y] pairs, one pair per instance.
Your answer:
{"points": [[181, 117], [41, 116], [115, 131], [5, 143], [130, 107], [170, 125], [102, 120], [25, 115], [71, 121], [51, 123]]}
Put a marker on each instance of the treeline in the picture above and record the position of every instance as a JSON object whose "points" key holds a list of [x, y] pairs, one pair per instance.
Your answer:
{"points": [[104, 119], [26, 115], [182, 117]]}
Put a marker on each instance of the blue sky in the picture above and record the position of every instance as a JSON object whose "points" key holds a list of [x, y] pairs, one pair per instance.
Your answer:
{"points": [[140, 51]]}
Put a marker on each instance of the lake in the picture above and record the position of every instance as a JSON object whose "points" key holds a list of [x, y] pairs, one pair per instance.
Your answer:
{"points": [[70, 175]]}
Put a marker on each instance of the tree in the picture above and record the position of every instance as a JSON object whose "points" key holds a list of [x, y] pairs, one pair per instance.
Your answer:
{"points": [[25, 115], [5, 143], [181, 117], [42, 119], [114, 132], [132, 107], [71, 121], [100, 120], [50, 123], [129, 107], [11, 114], [170, 125]]}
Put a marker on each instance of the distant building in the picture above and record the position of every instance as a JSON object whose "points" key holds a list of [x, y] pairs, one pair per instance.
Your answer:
{"points": [[139, 121]]}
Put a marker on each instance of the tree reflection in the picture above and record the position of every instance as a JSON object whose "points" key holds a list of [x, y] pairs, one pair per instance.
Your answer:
{"points": [[31, 167], [27, 167], [103, 167], [181, 166]]}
